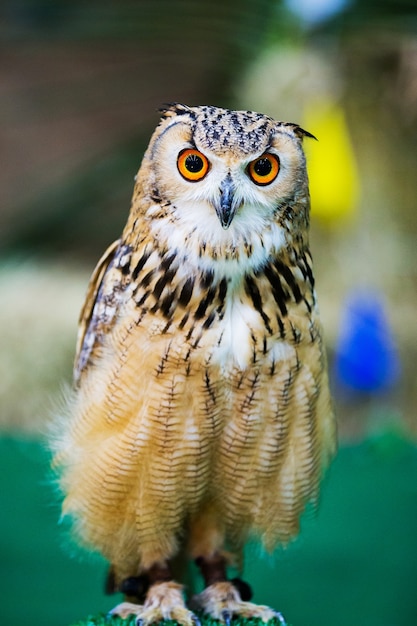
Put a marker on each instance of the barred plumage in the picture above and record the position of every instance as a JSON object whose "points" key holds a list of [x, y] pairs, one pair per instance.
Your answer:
{"points": [[201, 414]]}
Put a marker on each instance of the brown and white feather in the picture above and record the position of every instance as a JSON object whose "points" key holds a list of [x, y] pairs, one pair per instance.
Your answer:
{"points": [[202, 412]]}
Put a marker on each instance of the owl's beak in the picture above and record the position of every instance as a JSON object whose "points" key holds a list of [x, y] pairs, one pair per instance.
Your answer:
{"points": [[225, 207]]}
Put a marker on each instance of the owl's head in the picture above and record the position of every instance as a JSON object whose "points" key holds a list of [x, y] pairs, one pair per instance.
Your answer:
{"points": [[225, 179]]}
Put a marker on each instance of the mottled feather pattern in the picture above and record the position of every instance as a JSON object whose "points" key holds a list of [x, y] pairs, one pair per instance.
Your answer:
{"points": [[202, 413]]}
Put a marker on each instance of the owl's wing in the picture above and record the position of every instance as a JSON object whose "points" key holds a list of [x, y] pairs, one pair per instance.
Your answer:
{"points": [[84, 341]]}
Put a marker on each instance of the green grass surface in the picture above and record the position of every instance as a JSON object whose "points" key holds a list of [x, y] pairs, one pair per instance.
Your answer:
{"points": [[102, 620], [355, 563]]}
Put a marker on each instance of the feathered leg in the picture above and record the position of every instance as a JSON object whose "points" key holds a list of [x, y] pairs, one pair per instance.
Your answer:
{"points": [[222, 598]]}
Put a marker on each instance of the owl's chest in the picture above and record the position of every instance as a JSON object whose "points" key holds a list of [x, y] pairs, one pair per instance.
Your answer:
{"points": [[228, 325], [235, 340], [242, 338]]}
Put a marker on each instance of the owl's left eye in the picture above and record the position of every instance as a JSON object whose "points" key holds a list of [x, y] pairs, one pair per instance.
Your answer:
{"points": [[192, 164], [264, 169]]}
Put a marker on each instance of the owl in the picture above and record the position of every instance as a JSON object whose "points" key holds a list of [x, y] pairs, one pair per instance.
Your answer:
{"points": [[201, 415]]}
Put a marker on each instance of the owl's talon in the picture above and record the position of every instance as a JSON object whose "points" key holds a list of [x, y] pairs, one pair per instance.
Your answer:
{"points": [[280, 618], [124, 609], [227, 617], [195, 620]]}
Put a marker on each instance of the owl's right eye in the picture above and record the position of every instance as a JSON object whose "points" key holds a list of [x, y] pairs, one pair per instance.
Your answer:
{"points": [[192, 164]]}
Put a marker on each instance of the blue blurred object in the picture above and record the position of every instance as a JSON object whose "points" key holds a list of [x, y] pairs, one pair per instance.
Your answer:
{"points": [[366, 360], [316, 11]]}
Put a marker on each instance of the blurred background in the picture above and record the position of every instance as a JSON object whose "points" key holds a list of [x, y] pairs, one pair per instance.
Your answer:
{"points": [[80, 85]]}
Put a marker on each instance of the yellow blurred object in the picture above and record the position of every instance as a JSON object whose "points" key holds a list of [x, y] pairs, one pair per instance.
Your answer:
{"points": [[332, 169]]}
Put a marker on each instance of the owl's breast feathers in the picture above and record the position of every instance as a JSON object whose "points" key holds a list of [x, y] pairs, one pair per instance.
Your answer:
{"points": [[154, 294], [195, 389]]}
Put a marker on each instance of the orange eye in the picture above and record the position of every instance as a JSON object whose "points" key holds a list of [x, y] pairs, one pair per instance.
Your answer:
{"points": [[192, 164], [264, 169]]}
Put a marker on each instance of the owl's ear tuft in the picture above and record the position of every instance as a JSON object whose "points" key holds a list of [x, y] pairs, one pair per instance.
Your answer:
{"points": [[170, 109], [300, 132]]}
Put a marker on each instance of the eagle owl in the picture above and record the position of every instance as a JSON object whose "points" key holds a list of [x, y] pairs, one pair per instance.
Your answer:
{"points": [[201, 413]]}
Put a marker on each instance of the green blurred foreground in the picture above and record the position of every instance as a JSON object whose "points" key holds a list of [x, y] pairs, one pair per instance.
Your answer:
{"points": [[131, 621], [355, 563]]}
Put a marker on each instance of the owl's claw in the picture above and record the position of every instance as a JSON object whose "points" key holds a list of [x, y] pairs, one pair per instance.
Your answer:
{"points": [[222, 601], [227, 617], [280, 618], [124, 609]]}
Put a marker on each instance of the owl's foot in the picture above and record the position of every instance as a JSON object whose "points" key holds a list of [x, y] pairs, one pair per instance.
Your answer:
{"points": [[164, 601], [222, 601]]}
